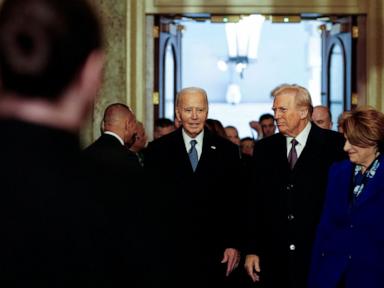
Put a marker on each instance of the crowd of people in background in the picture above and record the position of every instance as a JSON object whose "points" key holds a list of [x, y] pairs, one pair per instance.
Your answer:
{"points": [[300, 206]]}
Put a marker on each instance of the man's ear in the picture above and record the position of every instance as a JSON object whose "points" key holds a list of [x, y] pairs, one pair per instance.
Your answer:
{"points": [[178, 116], [303, 113], [102, 126]]}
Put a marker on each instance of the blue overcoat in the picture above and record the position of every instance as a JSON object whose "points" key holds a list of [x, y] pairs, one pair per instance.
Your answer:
{"points": [[350, 237]]}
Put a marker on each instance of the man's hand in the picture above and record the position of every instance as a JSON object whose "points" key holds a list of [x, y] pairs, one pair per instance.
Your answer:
{"points": [[232, 258], [256, 126], [252, 266]]}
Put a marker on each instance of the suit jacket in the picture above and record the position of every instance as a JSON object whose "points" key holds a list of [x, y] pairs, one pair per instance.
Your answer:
{"points": [[117, 176], [114, 159], [350, 237], [194, 214], [46, 216], [285, 205], [114, 167]]}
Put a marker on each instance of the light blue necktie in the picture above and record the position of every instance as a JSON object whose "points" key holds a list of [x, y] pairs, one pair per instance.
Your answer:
{"points": [[193, 155]]}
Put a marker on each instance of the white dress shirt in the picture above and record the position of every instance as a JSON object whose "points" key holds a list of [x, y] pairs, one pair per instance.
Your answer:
{"points": [[199, 144], [301, 139]]}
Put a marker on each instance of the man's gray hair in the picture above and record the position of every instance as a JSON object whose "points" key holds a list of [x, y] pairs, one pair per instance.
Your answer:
{"points": [[191, 90]]}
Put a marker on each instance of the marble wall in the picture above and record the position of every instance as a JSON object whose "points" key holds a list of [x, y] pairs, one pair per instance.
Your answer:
{"points": [[113, 15], [124, 76]]}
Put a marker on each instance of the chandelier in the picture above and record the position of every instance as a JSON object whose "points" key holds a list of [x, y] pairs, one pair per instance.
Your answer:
{"points": [[243, 40]]}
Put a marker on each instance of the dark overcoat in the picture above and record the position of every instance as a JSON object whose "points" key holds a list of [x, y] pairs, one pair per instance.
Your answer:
{"points": [[194, 215], [285, 206]]}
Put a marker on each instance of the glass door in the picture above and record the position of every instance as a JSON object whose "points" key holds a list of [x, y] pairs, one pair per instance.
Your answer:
{"points": [[168, 68], [343, 68]]}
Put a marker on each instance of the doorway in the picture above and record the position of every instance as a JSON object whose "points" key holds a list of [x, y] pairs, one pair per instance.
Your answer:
{"points": [[290, 50]]}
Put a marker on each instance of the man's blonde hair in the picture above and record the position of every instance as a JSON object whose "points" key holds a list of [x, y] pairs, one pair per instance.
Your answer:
{"points": [[302, 95]]}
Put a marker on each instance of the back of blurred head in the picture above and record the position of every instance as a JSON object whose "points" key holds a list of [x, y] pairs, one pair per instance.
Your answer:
{"points": [[48, 48]]}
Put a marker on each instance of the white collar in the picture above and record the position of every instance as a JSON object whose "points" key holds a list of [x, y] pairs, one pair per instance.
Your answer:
{"points": [[302, 137], [198, 138], [115, 135]]}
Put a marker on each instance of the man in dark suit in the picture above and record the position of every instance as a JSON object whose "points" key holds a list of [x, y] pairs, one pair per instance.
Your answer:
{"points": [[194, 213], [287, 192], [47, 85], [117, 173], [109, 153]]}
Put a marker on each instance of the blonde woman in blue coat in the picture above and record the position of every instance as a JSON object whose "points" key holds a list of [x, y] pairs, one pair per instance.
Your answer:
{"points": [[349, 247]]}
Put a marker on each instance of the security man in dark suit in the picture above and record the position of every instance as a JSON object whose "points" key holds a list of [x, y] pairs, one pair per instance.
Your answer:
{"points": [[194, 200], [109, 151], [289, 181], [117, 174]]}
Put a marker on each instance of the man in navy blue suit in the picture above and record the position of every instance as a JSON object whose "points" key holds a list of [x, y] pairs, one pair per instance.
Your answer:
{"points": [[194, 212]]}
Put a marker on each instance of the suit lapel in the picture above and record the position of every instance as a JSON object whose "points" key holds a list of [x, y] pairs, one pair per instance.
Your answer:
{"points": [[312, 149], [209, 149], [281, 153], [181, 154]]}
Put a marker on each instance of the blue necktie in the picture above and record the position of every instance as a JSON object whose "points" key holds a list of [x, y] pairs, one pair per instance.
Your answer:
{"points": [[193, 155]]}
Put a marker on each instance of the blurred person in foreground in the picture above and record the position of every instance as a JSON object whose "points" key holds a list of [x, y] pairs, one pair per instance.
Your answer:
{"points": [[288, 185], [349, 247], [195, 216], [50, 70]]}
